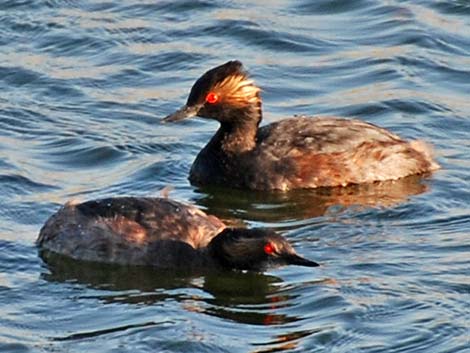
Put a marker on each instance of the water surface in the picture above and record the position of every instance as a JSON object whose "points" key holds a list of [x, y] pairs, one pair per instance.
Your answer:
{"points": [[84, 85]]}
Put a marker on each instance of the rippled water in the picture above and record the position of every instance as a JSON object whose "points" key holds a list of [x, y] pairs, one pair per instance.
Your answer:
{"points": [[83, 85]]}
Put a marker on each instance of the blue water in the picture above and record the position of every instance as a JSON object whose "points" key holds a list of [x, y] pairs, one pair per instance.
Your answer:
{"points": [[83, 86]]}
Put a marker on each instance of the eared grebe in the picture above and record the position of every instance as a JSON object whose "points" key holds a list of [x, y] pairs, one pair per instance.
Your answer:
{"points": [[161, 233], [299, 152]]}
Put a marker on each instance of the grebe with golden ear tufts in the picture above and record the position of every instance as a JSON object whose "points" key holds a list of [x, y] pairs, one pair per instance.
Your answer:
{"points": [[299, 152]]}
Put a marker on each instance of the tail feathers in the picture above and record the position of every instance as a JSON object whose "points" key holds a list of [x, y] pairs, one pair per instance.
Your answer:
{"points": [[427, 152]]}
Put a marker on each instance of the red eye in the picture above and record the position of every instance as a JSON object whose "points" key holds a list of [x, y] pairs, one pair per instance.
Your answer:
{"points": [[212, 98], [269, 249]]}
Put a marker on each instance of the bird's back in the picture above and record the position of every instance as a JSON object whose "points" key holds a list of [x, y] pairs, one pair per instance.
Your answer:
{"points": [[320, 135], [128, 230], [306, 152]]}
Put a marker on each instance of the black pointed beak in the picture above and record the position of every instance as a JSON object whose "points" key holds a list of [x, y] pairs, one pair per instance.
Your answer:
{"points": [[294, 259], [183, 113]]}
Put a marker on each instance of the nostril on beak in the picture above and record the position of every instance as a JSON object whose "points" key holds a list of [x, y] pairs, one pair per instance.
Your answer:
{"points": [[182, 113]]}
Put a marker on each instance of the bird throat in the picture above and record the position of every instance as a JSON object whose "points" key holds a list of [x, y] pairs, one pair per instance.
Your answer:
{"points": [[238, 135]]}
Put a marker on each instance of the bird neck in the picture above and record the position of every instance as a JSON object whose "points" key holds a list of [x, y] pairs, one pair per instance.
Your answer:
{"points": [[237, 132], [216, 250], [207, 260]]}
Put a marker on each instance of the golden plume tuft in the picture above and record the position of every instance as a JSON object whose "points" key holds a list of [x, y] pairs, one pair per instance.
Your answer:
{"points": [[238, 90]]}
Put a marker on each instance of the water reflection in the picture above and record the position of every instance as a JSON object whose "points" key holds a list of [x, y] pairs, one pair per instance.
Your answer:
{"points": [[284, 342], [241, 297], [110, 277], [304, 204], [248, 298], [117, 278]]}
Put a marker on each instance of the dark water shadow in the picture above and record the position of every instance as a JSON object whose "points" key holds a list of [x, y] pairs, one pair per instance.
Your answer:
{"points": [[232, 204], [243, 297]]}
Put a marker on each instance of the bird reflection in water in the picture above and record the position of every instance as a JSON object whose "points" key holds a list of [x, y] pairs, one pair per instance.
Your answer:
{"points": [[295, 205], [227, 288], [241, 297]]}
